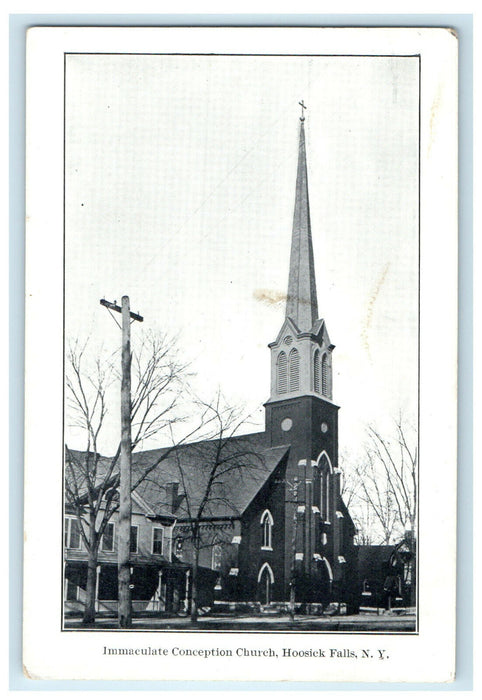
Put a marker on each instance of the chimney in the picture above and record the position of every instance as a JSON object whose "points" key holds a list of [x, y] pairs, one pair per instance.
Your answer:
{"points": [[171, 495]]}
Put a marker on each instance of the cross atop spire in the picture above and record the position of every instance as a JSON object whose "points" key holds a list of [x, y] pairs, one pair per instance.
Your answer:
{"points": [[302, 304], [303, 107]]}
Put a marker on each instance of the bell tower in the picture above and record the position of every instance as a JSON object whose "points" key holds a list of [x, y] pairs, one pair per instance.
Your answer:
{"points": [[300, 410], [300, 413]]}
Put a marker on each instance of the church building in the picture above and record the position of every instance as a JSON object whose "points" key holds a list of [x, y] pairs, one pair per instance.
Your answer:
{"points": [[276, 527], [286, 524]]}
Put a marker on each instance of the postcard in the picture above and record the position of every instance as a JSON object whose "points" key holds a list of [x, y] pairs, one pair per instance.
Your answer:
{"points": [[241, 354]]}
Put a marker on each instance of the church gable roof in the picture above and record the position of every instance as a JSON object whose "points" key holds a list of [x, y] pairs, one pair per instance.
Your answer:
{"points": [[289, 327], [249, 463], [319, 333]]}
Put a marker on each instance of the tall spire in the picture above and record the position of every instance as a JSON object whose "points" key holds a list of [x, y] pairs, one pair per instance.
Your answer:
{"points": [[301, 303]]}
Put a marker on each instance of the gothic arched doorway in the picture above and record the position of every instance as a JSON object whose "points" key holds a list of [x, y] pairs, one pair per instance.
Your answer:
{"points": [[265, 584], [324, 581]]}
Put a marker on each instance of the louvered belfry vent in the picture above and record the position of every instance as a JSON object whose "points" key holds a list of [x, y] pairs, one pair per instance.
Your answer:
{"points": [[324, 376], [316, 371], [294, 370], [282, 373]]}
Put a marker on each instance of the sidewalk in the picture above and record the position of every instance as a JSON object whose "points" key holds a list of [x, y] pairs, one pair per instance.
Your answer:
{"points": [[302, 623]]}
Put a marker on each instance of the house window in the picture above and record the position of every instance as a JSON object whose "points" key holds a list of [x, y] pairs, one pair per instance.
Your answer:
{"points": [[407, 573], [133, 543], [294, 370], [157, 535], [316, 371], [282, 373], [72, 533], [267, 528], [108, 538], [216, 557]]}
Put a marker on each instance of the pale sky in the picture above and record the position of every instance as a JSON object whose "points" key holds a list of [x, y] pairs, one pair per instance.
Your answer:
{"points": [[180, 181]]}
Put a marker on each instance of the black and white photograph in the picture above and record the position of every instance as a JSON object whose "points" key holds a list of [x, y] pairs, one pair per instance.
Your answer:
{"points": [[250, 500], [241, 324]]}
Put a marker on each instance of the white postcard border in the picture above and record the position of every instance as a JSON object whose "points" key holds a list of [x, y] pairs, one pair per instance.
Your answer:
{"points": [[50, 653]]}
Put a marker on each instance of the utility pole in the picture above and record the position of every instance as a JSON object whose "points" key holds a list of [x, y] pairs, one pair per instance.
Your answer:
{"points": [[125, 479]]}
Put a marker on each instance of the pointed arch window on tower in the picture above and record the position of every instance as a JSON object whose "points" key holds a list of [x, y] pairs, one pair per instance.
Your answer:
{"points": [[282, 371], [316, 371], [324, 487], [327, 496], [324, 375], [294, 372]]}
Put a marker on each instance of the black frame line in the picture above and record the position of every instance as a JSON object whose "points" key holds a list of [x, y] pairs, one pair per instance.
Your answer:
{"points": [[416, 632]]}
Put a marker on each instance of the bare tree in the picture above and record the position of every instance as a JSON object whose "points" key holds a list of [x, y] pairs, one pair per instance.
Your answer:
{"points": [[352, 492], [397, 460], [382, 486], [377, 511], [211, 472], [91, 480]]}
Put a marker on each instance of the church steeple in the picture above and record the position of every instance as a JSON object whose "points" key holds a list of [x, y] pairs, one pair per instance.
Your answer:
{"points": [[301, 303], [301, 355], [300, 412]]}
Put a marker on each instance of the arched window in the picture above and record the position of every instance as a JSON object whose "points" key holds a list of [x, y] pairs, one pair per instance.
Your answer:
{"points": [[324, 375], [294, 370], [267, 530], [325, 469], [316, 371], [324, 462], [282, 368], [327, 494]]}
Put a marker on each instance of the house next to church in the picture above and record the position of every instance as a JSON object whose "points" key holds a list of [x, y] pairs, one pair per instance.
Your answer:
{"points": [[283, 524]]}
